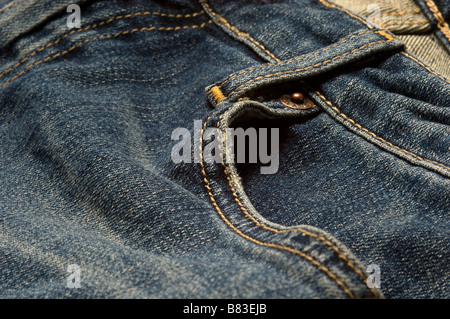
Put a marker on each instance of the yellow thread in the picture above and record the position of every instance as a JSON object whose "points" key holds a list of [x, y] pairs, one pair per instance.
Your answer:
{"points": [[235, 229], [395, 14], [239, 33], [90, 40], [94, 26], [404, 23], [386, 35], [307, 68], [426, 67], [278, 231], [345, 117], [442, 25], [293, 60], [217, 94]]}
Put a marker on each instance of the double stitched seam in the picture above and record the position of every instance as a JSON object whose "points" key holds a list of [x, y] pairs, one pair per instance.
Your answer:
{"points": [[109, 36], [441, 24], [309, 67], [293, 60], [236, 31], [277, 246], [346, 118], [96, 25]]}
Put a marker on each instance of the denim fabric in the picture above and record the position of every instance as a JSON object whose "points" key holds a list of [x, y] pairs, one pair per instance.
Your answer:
{"points": [[87, 177]]}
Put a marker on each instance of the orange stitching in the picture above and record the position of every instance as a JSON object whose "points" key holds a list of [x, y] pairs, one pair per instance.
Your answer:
{"points": [[404, 23], [286, 248], [109, 36], [345, 117], [307, 68], [94, 26], [330, 5], [278, 231], [426, 67], [6, 9], [239, 33], [441, 24], [217, 94], [401, 13], [293, 60]]}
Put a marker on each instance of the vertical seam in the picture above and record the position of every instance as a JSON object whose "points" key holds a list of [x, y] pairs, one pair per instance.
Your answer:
{"points": [[441, 24], [237, 31]]}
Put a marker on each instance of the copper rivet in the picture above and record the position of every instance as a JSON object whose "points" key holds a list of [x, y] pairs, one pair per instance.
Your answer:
{"points": [[297, 98], [297, 101]]}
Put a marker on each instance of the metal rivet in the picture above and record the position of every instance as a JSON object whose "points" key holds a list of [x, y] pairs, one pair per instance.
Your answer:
{"points": [[297, 101], [297, 98]]}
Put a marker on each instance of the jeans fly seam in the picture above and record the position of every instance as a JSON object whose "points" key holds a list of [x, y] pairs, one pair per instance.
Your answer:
{"points": [[346, 118], [293, 60], [108, 36], [274, 230], [308, 67], [239, 33], [95, 26], [441, 24]]}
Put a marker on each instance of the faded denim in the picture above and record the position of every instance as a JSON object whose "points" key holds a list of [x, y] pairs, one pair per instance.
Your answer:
{"points": [[85, 142]]}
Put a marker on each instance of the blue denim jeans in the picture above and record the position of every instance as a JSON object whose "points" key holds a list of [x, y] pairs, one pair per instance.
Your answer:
{"points": [[87, 178]]}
